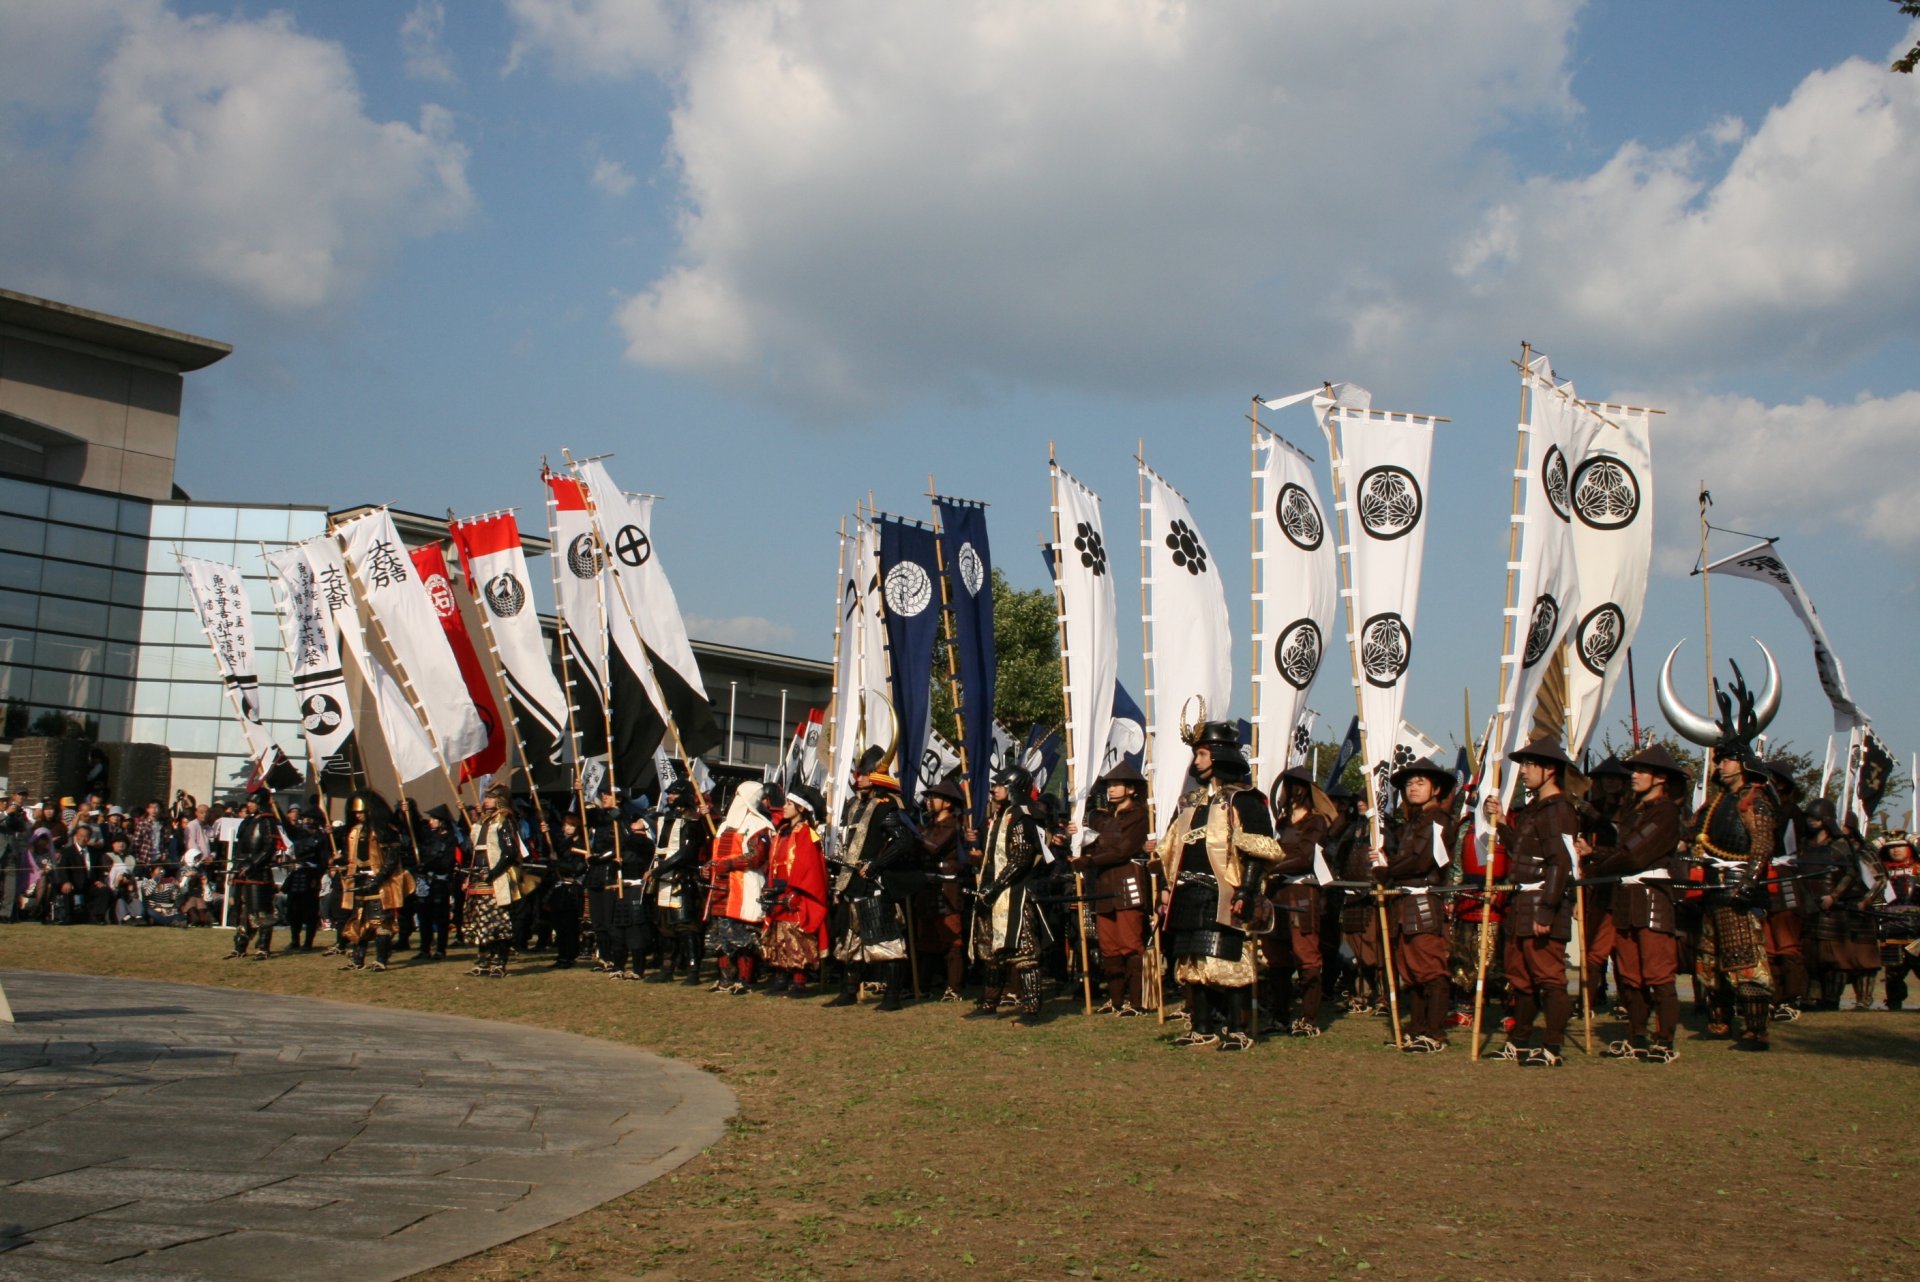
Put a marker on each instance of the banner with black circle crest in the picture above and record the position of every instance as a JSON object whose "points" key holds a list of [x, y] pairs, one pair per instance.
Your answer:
{"points": [[1190, 655], [1546, 591], [910, 593], [1611, 493], [1089, 632], [1381, 463], [312, 643], [1295, 588], [969, 564], [495, 565]]}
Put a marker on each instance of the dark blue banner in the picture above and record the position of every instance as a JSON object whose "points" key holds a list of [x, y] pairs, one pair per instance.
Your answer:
{"points": [[963, 546], [1349, 749], [1127, 741], [909, 584]]}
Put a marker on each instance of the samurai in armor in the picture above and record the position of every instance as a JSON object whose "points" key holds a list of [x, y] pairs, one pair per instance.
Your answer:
{"points": [[493, 884], [602, 881], [256, 847], [1735, 838], [1539, 836], [1644, 856], [1786, 894], [678, 901], [796, 934], [433, 892], [1215, 856], [1416, 920], [1007, 927], [1116, 855], [877, 850], [1830, 889], [1304, 815], [1350, 855], [567, 896], [1898, 913], [939, 908], [629, 929], [739, 876], [375, 882]]}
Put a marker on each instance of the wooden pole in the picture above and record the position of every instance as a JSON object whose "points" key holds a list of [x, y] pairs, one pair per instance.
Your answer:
{"points": [[1147, 692], [1256, 613], [1706, 604], [1386, 963], [829, 740], [1492, 771], [1066, 700], [564, 629]]}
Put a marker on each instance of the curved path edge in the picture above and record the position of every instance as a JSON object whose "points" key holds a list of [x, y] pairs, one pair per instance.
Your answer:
{"points": [[158, 1132]]}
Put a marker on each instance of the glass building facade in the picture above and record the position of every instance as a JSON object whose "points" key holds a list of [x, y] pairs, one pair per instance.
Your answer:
{"points": [[97, 634]]}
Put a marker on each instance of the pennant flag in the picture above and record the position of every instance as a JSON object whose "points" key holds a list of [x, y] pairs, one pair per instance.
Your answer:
{"points": [[1089, 632], [1302, 739], [401, 733], [802, 761], [312, 642], [1127, 735], [625, 524], [909, 573], [1190, 660], [1041, 757], [877, 710], [937, 760], [431, 564], [969, 565], [1873, 769], [846, 746], [1381, 464], [1295, 581], [219, 596], [495, 565], [1546, 595], [1762, 562], [397, 600], [635, 701], [1611, 493]]}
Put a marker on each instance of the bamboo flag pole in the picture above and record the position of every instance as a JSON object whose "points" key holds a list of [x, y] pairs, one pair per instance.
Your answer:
{"points": [[673, 728], [1256, 612], [1066, 703], [603, 563], [1337, 462], [563, 630], [1706, 604], [1492, 771], [1146, 664]]}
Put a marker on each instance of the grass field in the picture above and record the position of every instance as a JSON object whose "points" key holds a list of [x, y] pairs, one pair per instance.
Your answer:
{"points": [[913, 1145]]}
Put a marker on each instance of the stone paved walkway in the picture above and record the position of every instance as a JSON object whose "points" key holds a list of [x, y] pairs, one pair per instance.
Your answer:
{"points": [[152, 1132]]}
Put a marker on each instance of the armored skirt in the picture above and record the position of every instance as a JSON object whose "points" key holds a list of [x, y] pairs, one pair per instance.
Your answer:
{"points": [[486, 922]]}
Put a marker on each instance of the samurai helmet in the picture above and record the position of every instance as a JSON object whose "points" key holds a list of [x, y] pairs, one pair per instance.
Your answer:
{"points": [[1742, 718]]}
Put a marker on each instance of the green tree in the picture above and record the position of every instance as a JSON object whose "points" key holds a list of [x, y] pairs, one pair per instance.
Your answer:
{"points": [[1908, 9], [1026, 639]]}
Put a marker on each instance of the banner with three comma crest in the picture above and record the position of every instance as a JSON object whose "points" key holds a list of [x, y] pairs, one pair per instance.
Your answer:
{"points": [[1295, 584], [312, 642], [1611, 494], [1381, 463]]}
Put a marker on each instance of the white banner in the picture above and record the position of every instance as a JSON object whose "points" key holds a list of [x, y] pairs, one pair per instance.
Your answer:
{"points": [[312, 643], [1381, 464], [220, 600], [1296, 579], [1611, 491], [846, 687], [496, 567], [937, 761], [397, 600], [579, 573], [626, 525], [400, 728], [876, 673], [1546, 593], [1089, 632], [1763, 564], [1192, 636]]}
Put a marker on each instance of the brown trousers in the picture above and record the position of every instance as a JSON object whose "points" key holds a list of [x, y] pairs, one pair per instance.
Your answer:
{"points": [[1535, 962]]}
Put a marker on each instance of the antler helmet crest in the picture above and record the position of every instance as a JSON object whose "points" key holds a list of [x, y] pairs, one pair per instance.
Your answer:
{"points": [[1742, 717]]}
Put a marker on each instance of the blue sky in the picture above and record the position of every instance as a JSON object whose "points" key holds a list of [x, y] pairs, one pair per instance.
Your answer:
{"points": [[776, 255]]}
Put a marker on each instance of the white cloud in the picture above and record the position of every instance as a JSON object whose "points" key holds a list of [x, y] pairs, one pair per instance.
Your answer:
{"points": [[1812, 467], [1135, 197], [423, 42], [230, 153], [611, 177], [1802, 246], [592, 38], [747, 630]]}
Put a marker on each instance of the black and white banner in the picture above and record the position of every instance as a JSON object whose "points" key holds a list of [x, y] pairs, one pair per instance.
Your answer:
{"points": [[400, 730], [845, 747], [1191, 651], [1381, 463], [1296, 582], [219, 596], [312, 642], [1611, 492], [1089, 631], [397, 600], [1762, 563], [1546, 590]]}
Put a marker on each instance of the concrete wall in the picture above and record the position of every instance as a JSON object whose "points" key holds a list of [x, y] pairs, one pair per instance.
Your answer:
{"points": [[104, 423]]}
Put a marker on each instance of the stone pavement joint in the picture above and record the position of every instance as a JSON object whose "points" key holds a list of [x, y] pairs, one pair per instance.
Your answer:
{"points": [[157, 1132]]}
